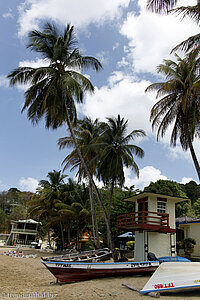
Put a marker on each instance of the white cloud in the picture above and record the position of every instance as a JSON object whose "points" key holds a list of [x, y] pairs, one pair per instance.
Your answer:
{"points": [[28, 184], [38, 62], [126, 95], [78, 13], [4, 82], [123, 95], [103, 57], [147, 175], [152, 37], [117, 44], [186, 180], [8, 14]]}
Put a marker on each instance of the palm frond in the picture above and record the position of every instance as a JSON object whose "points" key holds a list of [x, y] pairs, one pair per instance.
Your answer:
{"points": [[188, 11], [160, 5], [189, 44]]}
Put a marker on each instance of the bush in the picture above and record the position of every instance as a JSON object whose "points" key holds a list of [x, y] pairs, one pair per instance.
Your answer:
{"points": [[188, 246]]}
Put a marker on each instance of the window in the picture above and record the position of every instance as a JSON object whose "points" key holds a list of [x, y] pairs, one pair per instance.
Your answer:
{"points": [[161, 207]]}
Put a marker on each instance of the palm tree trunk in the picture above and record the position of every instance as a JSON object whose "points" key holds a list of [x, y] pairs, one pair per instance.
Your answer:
{"points": [[196, 163], [68, 234], [94, 219], [109, 234], [111, 196], [62, 235], [49, 238]]}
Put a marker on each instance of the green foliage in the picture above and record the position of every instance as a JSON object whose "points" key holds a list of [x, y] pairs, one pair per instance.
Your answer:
{"points": [[184, 209], [19, 213], [61, 207], [196, 207], [192, 190], [3, 221], [172, 188], [165, 187]]}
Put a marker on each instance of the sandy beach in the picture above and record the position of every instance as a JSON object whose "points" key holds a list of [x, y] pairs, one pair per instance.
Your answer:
{"points": [[27, 278]]}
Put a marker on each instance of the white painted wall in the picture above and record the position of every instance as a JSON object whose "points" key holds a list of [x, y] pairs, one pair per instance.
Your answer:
{"points": [[159, 244], [139, 254]]}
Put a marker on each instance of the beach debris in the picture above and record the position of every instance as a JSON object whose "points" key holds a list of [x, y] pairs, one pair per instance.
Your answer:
{"points": [[152, 294], [114, 293], [18, 254]]}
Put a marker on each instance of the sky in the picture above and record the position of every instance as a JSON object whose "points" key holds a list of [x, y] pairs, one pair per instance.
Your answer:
{"points": [[130, 42]]}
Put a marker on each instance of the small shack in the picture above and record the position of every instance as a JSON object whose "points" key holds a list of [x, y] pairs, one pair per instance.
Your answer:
{"points": [[23, 232], [153, 224]]}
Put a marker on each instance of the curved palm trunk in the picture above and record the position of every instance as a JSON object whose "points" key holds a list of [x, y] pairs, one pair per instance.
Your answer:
{"points": [[94, 219], [109, 235], [196, 163]]}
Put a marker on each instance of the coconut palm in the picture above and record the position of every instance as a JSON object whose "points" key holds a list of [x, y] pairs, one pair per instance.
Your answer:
{"points": [[179, 105], [48, 202], [80, 206], [56, 180], [55, 88], [192, 12], [87, 132], [116, 152]]}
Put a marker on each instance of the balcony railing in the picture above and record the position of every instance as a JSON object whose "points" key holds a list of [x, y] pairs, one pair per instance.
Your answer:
{"points": [[24, 230], [144, 220]]}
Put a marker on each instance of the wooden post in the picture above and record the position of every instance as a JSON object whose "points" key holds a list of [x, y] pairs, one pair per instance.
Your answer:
{"points": [[152, 294]]}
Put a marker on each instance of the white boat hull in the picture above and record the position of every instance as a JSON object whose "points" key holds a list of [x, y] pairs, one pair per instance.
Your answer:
{"points": [[174, 277]]}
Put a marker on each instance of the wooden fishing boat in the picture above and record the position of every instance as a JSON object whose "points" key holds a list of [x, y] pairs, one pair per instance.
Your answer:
{"points": [[77, 271], [174, 277], [85, 256]]}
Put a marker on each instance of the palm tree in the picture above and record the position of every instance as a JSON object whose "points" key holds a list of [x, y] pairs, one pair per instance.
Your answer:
{"points": [[87, 132], [80, 206], [56, 180], [193, 12], [55, 88], [48, 202], [179, 105], [115, 152]]}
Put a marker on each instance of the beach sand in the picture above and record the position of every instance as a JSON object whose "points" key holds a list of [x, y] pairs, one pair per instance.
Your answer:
{"points": [[27, 278]]}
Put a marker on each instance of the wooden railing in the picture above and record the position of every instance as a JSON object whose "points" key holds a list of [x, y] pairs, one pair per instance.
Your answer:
{"points": [[143, 219], [24, 230]]}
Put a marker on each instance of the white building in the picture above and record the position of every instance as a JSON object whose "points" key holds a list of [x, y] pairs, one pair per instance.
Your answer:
{"points": [[153, 223], [23, 232], [189, 227]]}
